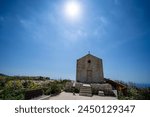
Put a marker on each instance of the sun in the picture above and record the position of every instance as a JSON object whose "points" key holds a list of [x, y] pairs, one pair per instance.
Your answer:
{"points": [[72, 9]]}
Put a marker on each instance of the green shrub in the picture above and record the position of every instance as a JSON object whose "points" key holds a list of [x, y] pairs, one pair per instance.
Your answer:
{"points": [[14, 85], [33, 93], [31, 85], [55, 89], [76, 90], [136, 94], [13, 94], [44, 90], [48, 91], [144, 94], [2, 83], [1, 94]]}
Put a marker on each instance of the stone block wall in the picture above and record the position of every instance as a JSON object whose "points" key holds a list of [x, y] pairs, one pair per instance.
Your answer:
{"points": [[106, 88]]}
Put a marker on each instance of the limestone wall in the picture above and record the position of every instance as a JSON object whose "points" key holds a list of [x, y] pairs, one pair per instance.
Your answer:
{"points": [[107, 88], [89, 70]]}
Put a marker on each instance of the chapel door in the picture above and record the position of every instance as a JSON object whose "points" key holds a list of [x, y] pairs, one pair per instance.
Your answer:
{"points": [[89, 76]]}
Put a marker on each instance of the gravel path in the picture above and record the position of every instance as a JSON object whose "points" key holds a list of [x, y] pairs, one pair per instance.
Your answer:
{"points": [[70, 96]]}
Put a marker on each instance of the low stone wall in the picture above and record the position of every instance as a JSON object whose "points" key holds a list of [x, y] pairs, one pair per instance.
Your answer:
{"points": [[106, 88]]}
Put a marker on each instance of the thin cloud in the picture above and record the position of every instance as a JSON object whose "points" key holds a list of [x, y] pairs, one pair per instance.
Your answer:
{"points": [[75, 35], [2, 18]]}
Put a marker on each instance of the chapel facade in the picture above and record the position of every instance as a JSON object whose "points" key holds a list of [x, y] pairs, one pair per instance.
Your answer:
{"points": [[89, 69]]}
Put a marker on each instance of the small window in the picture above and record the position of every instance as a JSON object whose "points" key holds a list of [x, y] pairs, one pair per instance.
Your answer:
{"points": [[89, 61]]}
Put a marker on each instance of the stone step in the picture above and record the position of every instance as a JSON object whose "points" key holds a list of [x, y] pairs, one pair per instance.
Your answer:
{"points": [[101, 93], [86, 87], [85, 94], [86, 90]]}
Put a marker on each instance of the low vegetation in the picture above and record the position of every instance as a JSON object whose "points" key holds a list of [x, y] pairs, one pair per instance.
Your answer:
{"points": [[135, 93], [25, 87]]}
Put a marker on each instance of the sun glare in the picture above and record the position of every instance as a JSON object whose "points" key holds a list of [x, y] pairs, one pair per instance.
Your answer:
{"points": [[72, 9]]}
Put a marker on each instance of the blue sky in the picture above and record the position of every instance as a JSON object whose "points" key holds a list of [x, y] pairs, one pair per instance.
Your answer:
{"points": [[37, 38]]}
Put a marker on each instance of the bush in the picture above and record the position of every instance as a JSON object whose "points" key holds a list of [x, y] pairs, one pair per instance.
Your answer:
{"points": [[120, 95], [136, 94], [12, 94], [48, 91], [14, 85], [2, 83], [132, 93], [30, 85], [144, 94], [55, 89], [76, 90], [33, 93], [44, 90], [1, 94]]}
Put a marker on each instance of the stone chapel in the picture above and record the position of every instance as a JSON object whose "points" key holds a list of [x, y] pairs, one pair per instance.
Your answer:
{"points": [[89, 69], [90, 78]]}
